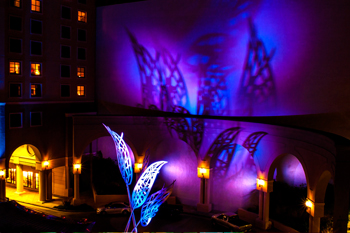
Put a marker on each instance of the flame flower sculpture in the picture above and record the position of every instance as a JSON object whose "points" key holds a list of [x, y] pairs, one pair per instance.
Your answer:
{"points": [[143, 185]]}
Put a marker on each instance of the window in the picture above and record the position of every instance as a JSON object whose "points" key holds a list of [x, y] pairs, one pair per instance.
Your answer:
{"points": [[81, 72], [65, 12], [15, 45], [81, 35], [35, 48], [65, 90], [15, 67], [35, 119], [36, 5], [82, 1], [82, 16], [15, 3], [80, 90], [35, 69], [36, 27], [15, 90], [65, 51], [15, 120], [35, 90], [65, 32], [65, 71], [15, 23], [81, 53]]}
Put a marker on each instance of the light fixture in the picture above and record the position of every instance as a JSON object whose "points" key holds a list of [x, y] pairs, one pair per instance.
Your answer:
{"points": [[46, 164], [308, 203], [203, 172], [77, 168], [138, 167], [2, 174]]}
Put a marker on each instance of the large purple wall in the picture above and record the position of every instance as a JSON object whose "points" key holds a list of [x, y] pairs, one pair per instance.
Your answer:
{"points": [[302, 44]]}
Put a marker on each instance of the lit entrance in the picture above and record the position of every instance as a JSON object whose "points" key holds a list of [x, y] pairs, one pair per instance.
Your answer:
{"points": [[24, 169]]}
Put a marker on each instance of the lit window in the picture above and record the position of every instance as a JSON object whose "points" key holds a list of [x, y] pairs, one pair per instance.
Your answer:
{"points": [[36, 5], [15, 67], [35, 69], [35, 90], [80, 90], [16, 3], [82, 16], [81, 72]]}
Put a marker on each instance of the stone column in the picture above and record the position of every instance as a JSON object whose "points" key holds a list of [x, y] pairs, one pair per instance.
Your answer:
{"points": [[204, 198], [76, 199], [42, 186], [263, 221], [316, 213], [19, 178], [49, 185], [2, 190]]}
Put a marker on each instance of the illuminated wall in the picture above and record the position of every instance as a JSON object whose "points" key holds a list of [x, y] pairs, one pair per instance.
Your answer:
{"points": [[224, 57]]}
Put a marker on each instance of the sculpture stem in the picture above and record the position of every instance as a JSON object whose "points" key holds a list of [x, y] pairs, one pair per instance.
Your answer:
{"points": [[132, 212]]}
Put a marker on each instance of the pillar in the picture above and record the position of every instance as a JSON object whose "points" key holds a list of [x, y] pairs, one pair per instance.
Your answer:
{"points": [[316, 213], [2, 190], [263, 221], [42, 186], [48, 184], [204, 198], [19, 178], [76, 199]]}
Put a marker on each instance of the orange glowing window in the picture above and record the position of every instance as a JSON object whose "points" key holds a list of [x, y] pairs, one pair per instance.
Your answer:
{"points": [[17, 3], [80, 90], [81, 72], [35, 69], [15, 67], [82, 16], [35, 90], [36, 5]]}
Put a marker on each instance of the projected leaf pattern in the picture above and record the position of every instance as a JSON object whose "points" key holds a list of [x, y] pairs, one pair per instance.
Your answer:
{"points": [[257, 84], [163, 85], [150, 208], [189, 130], [222, 151], [123, 156], [252, 141], [145, 183]]}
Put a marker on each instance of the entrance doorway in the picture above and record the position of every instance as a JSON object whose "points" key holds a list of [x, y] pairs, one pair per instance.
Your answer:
{"points": [[23, 171]]}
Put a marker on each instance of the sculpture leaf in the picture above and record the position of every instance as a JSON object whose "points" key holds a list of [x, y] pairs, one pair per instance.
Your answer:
{"points": [[123, 156], [145, 183], [150, 209]]}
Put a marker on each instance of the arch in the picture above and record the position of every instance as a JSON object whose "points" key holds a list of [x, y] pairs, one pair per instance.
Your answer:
{"points": [[293, 166], [321, 186], [26, 154]]}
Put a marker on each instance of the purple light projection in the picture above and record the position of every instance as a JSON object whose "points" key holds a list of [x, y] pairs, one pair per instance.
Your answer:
{"points": [[208, 40]]}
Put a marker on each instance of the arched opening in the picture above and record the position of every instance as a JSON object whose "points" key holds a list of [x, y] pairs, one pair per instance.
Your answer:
{"points": [[100, 175], [23, 173], [287, 201]]}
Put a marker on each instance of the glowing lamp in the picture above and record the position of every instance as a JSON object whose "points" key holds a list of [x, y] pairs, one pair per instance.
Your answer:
{"points": [[77, 168], [308, 203], [203, 172], [46, 164], [2, 174], [138, 167]]}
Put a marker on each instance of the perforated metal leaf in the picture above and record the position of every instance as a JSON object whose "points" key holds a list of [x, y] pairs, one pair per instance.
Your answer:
{"points": [[145, 183], [150, 209], [123, 156]]}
